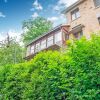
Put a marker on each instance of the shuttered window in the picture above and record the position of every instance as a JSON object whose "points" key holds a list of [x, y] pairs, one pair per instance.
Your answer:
{"points": [[97, 3]]}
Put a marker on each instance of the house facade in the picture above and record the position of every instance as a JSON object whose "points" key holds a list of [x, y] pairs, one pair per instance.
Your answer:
{"points": [[83, 18], [53, 40]]}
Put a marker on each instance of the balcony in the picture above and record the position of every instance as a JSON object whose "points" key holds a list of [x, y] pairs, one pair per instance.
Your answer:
{"points": [[48, 46], [52, 40]]}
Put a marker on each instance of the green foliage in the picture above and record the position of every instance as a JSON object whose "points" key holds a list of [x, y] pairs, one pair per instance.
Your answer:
{"points": [[36, 27], [85, 65], [11, 54], [74, 75]]}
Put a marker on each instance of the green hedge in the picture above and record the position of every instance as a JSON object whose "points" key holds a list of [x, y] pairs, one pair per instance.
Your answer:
{"points": [[73, 75]]}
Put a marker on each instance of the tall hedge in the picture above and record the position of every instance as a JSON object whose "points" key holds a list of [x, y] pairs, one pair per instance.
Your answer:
{"points": [[73, 75]]}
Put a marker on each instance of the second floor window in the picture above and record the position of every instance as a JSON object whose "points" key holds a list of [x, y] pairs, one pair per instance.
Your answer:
{"points": [[96, 3], [43, 44], [28, 51], [32, 49], [50, 41], [37, 47], [58, 37], [75, 14]]}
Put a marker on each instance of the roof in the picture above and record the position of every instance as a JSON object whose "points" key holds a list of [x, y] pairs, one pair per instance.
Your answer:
{"points": [[72, 6], [59, 26]]}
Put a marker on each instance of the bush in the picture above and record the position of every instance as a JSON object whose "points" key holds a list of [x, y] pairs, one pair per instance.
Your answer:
{"points": [[73, 75]]}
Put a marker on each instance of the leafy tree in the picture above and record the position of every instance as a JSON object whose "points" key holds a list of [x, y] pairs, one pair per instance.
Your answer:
{"points": [[10, 53], [35, 27]]}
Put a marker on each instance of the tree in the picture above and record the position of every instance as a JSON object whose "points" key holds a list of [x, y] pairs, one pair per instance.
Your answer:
{"points": [[10, 52], [35, 27]]}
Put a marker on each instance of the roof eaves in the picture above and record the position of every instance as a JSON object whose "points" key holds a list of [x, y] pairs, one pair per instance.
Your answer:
{"points": [[72, 6]]}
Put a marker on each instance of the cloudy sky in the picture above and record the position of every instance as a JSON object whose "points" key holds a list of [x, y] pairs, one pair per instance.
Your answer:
{"points": [[13, 12]]}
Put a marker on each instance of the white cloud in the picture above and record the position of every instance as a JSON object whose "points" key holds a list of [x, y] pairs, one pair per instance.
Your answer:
{"points": [[57, 8], [62, 20], [66, 2], [2, 15], [1, 37], [32, 9], [52, 19], [63, 3], [57, 20], [17, 35], [14, 34], [37, 5], [35, 15]]}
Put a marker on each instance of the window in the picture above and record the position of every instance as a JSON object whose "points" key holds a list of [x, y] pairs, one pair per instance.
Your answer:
{"points": [[32, 49], [58, 37], [66, 37], [28, 51], [97, 3], [75, 14], [50, 41], [37, 47], [43, 44], [81, 34], [78, 35]]}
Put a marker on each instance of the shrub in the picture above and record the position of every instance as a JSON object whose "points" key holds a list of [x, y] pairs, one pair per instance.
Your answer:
{"points": [[73, 75]]}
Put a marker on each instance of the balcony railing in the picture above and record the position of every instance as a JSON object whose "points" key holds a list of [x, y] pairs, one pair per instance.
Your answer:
{"points": [[47, 46]]}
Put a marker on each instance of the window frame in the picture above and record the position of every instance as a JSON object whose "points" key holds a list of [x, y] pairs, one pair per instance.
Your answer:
{"points": [[56, 37], [75, 13], [28, 50], [37, 47], [50, 40], [43, 44], [32, 50]]}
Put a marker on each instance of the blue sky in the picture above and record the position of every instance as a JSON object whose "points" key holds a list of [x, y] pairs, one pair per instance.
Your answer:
{"points": [[14, 12]]}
